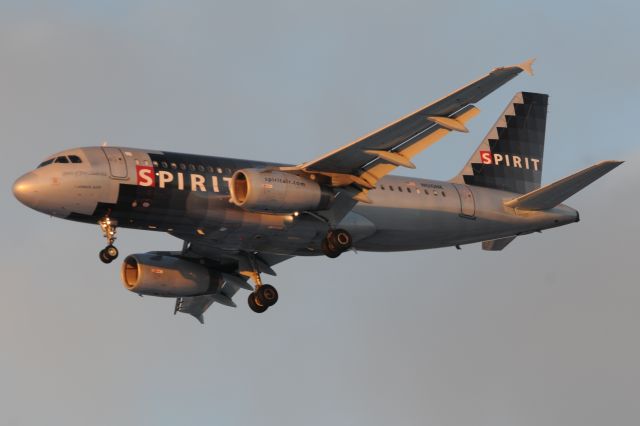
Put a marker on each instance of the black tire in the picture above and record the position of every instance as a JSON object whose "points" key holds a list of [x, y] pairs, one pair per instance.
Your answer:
{"points": [[111, 251], [104, 257], [328, 250], [267, 295], [340, 239], [254, 305]]}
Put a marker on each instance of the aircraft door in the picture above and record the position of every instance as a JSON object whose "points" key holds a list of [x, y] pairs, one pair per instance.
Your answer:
{"points": [[117, 162], [467, 202]]}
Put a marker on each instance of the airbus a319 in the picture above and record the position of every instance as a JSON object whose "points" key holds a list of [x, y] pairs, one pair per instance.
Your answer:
{"points": [[239, 218]]}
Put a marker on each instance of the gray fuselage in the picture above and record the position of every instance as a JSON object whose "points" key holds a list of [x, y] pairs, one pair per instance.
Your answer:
{"points": [[192, 202]]}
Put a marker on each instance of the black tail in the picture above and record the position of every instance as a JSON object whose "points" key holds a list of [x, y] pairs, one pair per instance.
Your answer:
{"points": [[510, 156]]}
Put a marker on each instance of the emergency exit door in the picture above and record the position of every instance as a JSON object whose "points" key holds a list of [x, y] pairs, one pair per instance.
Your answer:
{"points": [[467, 202], [117, 163]]}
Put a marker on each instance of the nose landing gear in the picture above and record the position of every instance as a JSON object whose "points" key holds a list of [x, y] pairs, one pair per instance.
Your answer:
{"points": [[110, 252], [336, 242]]}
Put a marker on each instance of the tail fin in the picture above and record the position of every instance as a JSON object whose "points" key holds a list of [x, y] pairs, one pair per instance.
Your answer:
{"points": [[510, 156], [555, 193]]}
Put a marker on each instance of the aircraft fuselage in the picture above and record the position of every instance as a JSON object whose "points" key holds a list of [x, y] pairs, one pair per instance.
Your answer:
{"points": [[188, 196]]}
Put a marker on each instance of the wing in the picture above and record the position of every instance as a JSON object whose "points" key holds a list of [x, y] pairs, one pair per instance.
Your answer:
{"points": [[235, 266], [366, 160]]}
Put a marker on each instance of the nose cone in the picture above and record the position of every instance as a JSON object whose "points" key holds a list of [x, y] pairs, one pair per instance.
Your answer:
{"points": [[26, 189]]}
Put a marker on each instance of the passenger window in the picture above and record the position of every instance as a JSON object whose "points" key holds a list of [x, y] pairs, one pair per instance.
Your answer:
{"points": [[443, 194], [155, 164], [183, 166], [62, 160], [390, 187], [192, 168], [174, 166], [426, 192], [209, 169], [164, 165], [46, 163], [417, 191], [75, 159], [409, 190], [200, 168], [219, 170], [382, 187], [400, 188]]}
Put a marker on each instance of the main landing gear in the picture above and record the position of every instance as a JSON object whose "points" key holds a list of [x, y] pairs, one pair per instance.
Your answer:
{"points": [[264, 295], [262, 298], [336, 242], [110, 252]]}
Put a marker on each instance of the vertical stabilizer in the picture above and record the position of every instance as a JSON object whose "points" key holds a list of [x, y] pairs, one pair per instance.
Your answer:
{"points": [[510, 156]]}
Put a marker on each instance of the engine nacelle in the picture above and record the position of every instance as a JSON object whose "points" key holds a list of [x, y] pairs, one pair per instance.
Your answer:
{"points": [[167, 276], [277, 192]]}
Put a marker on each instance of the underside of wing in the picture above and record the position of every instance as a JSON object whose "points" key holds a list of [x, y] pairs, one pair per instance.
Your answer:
{"points": [[236, 267]]}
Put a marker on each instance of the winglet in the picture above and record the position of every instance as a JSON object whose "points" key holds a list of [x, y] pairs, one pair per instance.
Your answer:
{"points": [[527, 66]]}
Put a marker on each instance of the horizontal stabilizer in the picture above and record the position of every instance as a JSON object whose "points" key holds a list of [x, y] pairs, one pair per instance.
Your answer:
{"points": [[555, 193], [497, 244]]}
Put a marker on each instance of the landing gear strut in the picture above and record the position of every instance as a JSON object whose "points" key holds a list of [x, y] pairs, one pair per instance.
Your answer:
{"points": [[264, 295], [336, 242], [110, 252]]}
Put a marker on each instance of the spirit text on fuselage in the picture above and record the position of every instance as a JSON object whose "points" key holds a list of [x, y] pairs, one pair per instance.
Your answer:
{"points": [[147, 176]]}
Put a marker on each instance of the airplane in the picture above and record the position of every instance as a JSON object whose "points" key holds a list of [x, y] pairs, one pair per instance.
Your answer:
{"points": [[239, 218]]}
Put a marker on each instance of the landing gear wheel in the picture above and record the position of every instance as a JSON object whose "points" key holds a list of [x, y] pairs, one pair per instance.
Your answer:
{"points": [[104, 257], [111, 251], [329, 250], [266, 295], [336, 242], [341, 239], [108, 254], [253, 304]]}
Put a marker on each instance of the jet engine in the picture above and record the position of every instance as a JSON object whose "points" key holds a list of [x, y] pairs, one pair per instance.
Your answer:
{"points": [[277, 192], [167, 276]]}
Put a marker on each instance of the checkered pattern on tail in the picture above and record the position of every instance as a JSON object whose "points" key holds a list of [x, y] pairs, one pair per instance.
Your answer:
{"points": [[510, 156]]}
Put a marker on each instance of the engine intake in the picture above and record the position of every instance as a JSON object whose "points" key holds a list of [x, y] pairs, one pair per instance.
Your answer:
{"points": [[277, 192], [167, 276]]}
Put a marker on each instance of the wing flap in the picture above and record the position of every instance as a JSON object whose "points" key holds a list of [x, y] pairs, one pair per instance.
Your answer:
{"points": [[194, 306]]}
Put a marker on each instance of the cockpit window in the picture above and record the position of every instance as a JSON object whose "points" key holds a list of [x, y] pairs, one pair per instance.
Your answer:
{"points": [[46, 162], [61, 159]]}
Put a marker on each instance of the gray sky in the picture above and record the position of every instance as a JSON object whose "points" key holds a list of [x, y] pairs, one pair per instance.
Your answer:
{"points": [[542, 333]]}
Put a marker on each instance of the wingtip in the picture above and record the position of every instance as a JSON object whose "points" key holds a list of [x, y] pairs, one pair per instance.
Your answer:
{"points": [[527, 66], [614, 163]]}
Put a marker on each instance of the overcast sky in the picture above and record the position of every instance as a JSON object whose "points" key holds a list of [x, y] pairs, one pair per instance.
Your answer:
{"points": [[544, 333]]}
